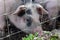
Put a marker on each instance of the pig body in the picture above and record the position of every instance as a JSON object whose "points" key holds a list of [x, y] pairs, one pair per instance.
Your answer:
{"points": [[53, 7]]}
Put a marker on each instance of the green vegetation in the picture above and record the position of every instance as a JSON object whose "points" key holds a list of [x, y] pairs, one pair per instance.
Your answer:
{"points": [[35, 37]]}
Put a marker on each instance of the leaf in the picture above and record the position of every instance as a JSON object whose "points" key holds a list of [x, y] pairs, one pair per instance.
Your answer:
{"points": [[31, 36], [36, 34]]}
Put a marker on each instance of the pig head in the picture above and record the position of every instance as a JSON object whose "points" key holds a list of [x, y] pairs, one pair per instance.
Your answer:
{"points": [[26, 18]]}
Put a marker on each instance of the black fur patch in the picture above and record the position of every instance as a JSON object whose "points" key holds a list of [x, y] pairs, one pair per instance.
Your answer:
{"points": [[29, 21], [28, 11]]}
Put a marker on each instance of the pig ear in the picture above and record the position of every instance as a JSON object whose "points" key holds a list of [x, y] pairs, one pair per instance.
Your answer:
{"points": [[44, 11], [20, 10], [41, 10]]}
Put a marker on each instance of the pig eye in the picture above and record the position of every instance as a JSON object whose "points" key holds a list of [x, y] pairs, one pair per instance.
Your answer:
{"points": [[28, 11]]}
